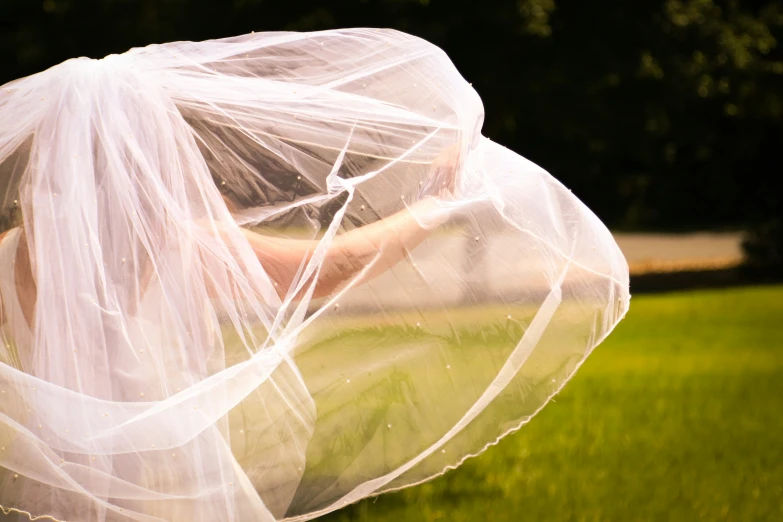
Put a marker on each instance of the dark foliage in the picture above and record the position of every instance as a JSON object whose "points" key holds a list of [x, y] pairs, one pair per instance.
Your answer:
{"points": [[659, 115]]}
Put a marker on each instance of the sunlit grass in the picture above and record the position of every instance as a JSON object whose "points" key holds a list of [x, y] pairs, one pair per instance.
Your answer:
{"points": [[677, 416]]}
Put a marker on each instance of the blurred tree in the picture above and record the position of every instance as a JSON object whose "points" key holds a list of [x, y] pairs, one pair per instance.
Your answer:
{"points": [[764, 246], [663, 114]]}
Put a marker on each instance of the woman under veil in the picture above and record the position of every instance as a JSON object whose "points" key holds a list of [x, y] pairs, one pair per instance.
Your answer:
{"points": [[234, 281]]}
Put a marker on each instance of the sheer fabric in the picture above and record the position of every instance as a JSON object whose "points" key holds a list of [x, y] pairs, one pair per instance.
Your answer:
{"points": [[165, 375]]}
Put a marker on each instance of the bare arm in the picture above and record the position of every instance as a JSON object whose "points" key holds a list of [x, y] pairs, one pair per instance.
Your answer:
{"points": [[383, 243]]}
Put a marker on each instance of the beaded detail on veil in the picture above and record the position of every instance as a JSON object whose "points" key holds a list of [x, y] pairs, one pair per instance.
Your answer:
{"points": [[172, 372]]}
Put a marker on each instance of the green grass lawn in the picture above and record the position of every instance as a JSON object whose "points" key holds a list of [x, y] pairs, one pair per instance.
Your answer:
{"points": [[678, 416]]}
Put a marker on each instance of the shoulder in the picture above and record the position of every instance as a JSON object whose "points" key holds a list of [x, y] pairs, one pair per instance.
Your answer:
{"points": [[8, 232], [3, 235]]}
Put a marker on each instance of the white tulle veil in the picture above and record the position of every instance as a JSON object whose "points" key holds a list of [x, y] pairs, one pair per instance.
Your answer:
{"points": [[164, 377]]}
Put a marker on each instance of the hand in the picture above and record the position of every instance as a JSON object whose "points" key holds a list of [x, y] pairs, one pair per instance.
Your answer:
{"points": [[442, 179]]}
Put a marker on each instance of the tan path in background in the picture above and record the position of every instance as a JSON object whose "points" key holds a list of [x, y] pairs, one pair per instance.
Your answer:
{"points": [[674, 252], [448, 280]]}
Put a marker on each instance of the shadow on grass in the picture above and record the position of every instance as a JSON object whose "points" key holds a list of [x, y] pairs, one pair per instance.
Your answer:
{"points": [[658, 282]]}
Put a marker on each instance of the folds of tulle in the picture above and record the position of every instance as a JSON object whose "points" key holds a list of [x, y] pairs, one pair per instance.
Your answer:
{"points": [[170, 379]]}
